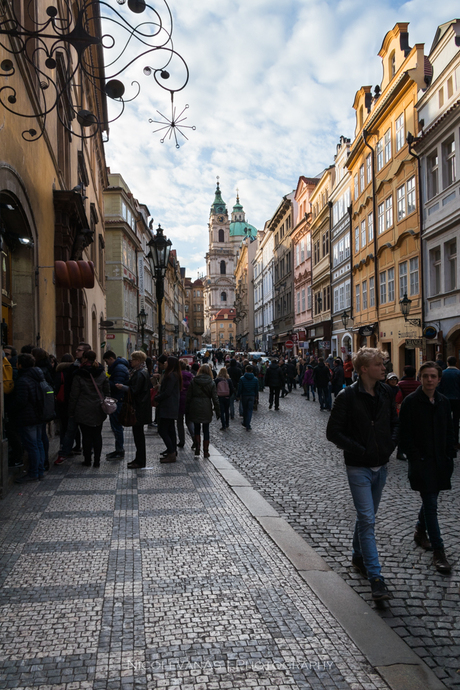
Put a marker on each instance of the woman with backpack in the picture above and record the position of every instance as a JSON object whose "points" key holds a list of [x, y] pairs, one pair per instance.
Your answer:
{"points": [[201, 398], [88, 384], [225, 389]]}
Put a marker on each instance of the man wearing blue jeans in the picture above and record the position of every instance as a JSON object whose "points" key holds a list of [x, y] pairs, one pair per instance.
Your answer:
{"points": [[248, 390], [117, 369], [364, 424]]}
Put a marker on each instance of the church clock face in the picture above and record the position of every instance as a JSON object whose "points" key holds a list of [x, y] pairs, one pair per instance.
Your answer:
{"points": [[220, 219]]}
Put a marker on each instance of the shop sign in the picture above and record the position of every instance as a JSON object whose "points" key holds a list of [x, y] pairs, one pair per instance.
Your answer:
{"points": [[110, 336], [412, 343], [430, 332], [366, 331], [302, 336], [325, 344], [295, 337]]}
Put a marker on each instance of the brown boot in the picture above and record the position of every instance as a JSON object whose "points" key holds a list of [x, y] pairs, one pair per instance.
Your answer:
{"points": [[169, 458], [421, 539], [206, 449], [197, 444], [440, 562]]}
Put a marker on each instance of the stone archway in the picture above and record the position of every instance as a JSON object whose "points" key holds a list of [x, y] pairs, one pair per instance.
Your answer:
{"points": [[453, 342]]}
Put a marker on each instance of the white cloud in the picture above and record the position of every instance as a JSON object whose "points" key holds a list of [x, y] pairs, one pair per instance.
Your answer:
{"points": [[270, 92]]}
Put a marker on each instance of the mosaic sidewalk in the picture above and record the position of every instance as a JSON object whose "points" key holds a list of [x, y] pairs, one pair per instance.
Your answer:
{"points": [[114, 579]]}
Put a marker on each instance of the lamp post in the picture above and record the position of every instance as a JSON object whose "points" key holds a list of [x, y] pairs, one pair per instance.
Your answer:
{"points": [[158, 257], [141, 321], [345, 319], [405, 305]]}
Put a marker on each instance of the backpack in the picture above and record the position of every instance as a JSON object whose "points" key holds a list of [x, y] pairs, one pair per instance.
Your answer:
{"points": [[8, 383], [223, 389], [47, 410]]}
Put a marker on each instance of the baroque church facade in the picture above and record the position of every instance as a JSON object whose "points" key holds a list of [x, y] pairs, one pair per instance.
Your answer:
{"points": [[225, 236]]}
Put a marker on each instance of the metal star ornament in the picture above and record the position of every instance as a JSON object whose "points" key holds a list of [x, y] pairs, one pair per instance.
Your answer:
{"points": [[172, 125]]}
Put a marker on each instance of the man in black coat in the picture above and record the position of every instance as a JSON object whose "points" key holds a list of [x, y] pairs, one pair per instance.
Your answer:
{"points": [[364, 424], [321, 377], [427, 439], [274, 379], [235, 373], [27, 405], [117, 369]]}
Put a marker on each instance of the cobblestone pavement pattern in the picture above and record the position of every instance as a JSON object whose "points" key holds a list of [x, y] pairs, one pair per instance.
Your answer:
{"points": [[114, 580], [287, 458]]}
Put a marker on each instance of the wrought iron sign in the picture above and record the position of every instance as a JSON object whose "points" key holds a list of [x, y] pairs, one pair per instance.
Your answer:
{"points": [[65, 48]]}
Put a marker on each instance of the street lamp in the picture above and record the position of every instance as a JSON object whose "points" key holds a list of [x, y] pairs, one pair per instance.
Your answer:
{"points": [[158, 257], [141, 321], [345, 319], [405, 304]]}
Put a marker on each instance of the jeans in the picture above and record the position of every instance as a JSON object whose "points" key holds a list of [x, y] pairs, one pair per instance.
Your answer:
{"points": [[248, 405], [31, 437], [232, 406], [45, 441], [310, 387], [205, 430], [167, 431], [323, 397], [69, 437], [366, 487], [91, 438], [117, 427], [274, 393], [428, 519], [224, 410], [139, 442]]}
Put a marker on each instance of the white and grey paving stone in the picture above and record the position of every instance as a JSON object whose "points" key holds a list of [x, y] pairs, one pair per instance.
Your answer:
{"points": [[120, 580], [288, 460]]}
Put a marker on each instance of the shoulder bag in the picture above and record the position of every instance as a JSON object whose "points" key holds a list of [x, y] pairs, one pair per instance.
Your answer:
{"points": [[108, 405], [127, 416]]}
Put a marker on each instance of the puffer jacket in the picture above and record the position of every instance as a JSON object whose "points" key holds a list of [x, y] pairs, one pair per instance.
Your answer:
{"points": [[321, 375], [367, 439], [27, 399], [118, 373], [248, 385], [201, 398], [84, 402], [235, 373]]}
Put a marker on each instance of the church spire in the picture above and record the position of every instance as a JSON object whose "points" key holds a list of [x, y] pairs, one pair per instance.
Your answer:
{"points": [[219, 204]]}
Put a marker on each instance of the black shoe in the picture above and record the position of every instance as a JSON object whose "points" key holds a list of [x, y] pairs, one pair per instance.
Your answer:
{"points": [[16, 463], [85, 463], [379, 590], [358, 564], [421, 539], [440, 562], [25, 478], [115, 454], [96, 463], [401, 456], [270, 407], [180, 445]]}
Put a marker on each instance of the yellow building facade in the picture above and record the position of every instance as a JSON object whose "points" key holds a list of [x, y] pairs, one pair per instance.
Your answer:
{"points": [[385, 229]]}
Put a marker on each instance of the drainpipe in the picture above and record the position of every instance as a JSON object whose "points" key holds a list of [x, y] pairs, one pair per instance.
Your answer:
{"points": [[411, 140], [375, 224], [331, 299], [350, 212]]}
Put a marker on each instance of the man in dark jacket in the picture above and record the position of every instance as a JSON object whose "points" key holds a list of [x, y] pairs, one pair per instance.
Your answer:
{"points": [[274, 379], [26, 408], [235, 373], [248, 391], [364, 424], [321, 377], [117, 369], [450, 387], [427, 438]]}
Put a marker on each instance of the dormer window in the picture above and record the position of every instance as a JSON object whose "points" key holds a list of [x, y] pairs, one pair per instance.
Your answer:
{"points": [[392, 62]]}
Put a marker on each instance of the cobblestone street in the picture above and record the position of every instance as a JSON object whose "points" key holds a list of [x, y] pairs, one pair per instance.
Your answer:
{"points": [[158, 579], [287, 458]]}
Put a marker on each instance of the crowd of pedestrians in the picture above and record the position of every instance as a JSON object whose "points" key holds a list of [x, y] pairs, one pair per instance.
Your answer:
{"points": [[372, 413]]}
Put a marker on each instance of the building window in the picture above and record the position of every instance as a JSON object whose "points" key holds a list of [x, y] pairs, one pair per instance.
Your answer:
{"points": [[450, 88], [308, 246], [435, 265], [298, 302], [303, 299], [223, 296], [381, 218], [363, 234], [361, 179], [358, 297], [364, 294], [391, 284], [342, 297], [450, 254], [383, 287], [432, 163], [369, 168], [448, 162], [441, 96], [326, 243], [372, 292], [302, 251], [221, 235], [392, 63], [223, 268], [308, 297], [336, 300], [355, 185], [388, 212], [387, 145], [370, 227], [347, 294], [356, 239], [402, 279], [346, 243], [413, 267], [401, 200], [297, 255], [399, 127], [380, 154], [410, 185]]}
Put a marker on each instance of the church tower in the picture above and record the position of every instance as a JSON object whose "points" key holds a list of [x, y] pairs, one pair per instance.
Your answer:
{"points": [[219, 289], [225, 237]]}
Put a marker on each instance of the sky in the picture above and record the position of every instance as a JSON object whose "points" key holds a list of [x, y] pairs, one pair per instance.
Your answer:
{"points": [[270, 92]]}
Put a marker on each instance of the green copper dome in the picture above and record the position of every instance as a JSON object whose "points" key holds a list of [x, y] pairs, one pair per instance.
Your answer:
{"points": [[219, 204], [242, 229]]}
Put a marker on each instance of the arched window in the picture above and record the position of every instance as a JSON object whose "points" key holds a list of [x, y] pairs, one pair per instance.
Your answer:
{"points": [[223, 296], [221, 235], [223, 268]]}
